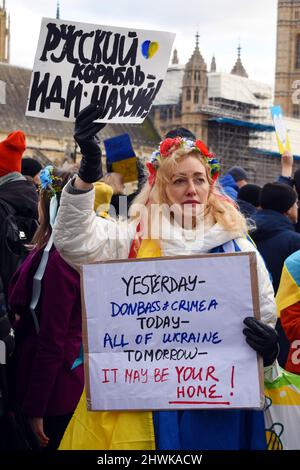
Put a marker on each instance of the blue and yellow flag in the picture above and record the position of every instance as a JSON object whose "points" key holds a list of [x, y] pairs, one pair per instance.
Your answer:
{"points": [[289, 288]]}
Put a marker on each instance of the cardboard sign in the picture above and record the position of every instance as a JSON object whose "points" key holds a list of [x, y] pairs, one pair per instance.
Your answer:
{"points": [[77, 63], [280, 129], [168, 333]]}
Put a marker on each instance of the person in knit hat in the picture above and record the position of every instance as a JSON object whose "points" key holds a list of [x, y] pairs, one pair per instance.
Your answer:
{"points": [[280, 198], [18, 223], [248, 199], [15, 190], [276, 238], [18, 197], [31, 167], [239, 175], [233, 180], [11, 151], [275, 234]]}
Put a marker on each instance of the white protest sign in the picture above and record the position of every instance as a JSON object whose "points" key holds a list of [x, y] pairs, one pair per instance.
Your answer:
{"points": [[282, 135], [167, 333], [78, 63]]}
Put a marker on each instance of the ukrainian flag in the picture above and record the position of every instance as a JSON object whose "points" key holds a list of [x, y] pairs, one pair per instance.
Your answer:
{"points": [[289, 289]]}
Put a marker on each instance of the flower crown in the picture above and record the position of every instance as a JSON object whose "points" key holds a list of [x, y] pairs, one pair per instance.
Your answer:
{"points": [[168, 146], [49, 182]]}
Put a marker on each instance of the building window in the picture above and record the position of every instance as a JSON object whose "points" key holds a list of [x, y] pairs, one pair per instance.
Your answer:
{"points": [[196, 95], [188, 94], [298, 52], [296, 111], [297, 15]]}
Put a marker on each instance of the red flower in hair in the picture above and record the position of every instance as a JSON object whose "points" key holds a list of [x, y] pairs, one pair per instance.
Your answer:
{"points": [[203, 149], [215, 176], [152, 173], [169, 145]]}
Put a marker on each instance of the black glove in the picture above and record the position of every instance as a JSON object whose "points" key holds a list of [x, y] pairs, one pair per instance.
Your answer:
{"points": [[86, 137], [262, 338]]}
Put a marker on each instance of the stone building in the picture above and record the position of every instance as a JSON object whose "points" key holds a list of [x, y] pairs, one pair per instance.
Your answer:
{"points": [[288, 56], [228, 111]]}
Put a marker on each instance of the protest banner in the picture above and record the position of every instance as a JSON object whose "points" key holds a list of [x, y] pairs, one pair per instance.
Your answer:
{"points": [[280, 129], [168, 333], [77, 63]]}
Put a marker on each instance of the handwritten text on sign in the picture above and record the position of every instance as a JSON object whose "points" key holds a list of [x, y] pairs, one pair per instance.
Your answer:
{"points": [[78, 63], [168, 333]]}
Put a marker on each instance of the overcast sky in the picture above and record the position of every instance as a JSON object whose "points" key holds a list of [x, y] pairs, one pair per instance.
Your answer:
{"points": [[221, 24]]}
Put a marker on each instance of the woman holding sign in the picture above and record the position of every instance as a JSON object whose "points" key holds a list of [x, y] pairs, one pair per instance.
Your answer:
{"points": [[183, 178]]}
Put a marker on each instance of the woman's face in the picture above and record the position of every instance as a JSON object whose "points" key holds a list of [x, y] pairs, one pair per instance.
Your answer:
{"points": [[189, 186]]}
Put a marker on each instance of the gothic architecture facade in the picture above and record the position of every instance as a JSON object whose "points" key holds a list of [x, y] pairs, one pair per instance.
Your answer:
{"points": [[184, 100], [288, 57], [228, 111]]}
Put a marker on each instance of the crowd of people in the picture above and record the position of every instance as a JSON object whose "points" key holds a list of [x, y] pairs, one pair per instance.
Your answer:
{"points": [[52, 222]]}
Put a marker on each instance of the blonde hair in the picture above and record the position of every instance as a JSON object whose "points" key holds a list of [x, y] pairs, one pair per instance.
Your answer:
{"points": [[219, 208]]}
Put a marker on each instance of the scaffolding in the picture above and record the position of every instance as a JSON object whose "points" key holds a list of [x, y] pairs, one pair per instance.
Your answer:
{"points": [[239, 125]]}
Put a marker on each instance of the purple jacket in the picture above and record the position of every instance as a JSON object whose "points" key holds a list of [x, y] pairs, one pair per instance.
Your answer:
{"points": [[44, 384]]}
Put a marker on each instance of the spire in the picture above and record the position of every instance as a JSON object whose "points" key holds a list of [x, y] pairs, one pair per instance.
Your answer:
{"points": [[196, 60], [197, 40], [57, 10], [238, 68], [213, 66], [175, 57]]}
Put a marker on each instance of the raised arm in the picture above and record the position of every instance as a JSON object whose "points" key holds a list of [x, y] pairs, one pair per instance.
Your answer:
{"points": [[86, 130], [79, 235]]}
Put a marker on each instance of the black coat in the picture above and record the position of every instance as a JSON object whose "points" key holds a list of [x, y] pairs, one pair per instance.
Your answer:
{"points": [[276, 239], [23, 197]]}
